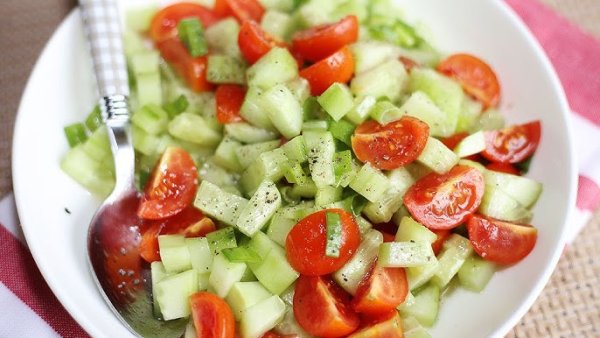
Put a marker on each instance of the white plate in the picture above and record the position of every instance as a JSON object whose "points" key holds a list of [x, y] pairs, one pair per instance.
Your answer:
{"points": [[61, 91]]}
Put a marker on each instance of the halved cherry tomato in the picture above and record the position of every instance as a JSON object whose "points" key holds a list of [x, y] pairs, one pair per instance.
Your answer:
{"points": [[189, 222], [390, 146], [442, 235], [229, 99], [512, 144], [172, 186], [242, 10], [305, 243], [271, 334], [317, 43], [254, 42], [338, 67], [443, 201], [164, 23], [476, 77], [500, 242], [380, 291], [389, 327], [212, 317], [192, 69], [322, 308], [506, 168]]}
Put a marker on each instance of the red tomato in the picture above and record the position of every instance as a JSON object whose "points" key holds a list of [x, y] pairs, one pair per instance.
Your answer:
{"points": [[254, 42], [317, 43], [506, 168], [172, 186], [500, 242], [193, 70], [164, 23], [242, 10], [442, 235], [381, 291], [338, 67], [271, 334], [229, 99], [389, 327], [322, 308], [443, 201], [212, 317], [390, 146], [305, 243], [512, 144], [189, 222], [476, 77]]}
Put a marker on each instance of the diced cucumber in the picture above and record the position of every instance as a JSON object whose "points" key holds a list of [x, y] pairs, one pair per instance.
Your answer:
{"points": [[275, 272], [193, 128], [411, 230], [220, 205], [139, 18], [295, 150], [250, 152], [426, 306], [315, 125], [315, 12], [262, 245], [469, 115], [283, 109], [224, 274], [226, 156], [289, 325], [300, 88], [473, 164], [261, 317], [470, 145], [144, 142], [368, 54], [413, 329], [370, 182], [174, 253], [87, 171], [295, 174], [270, 165], [279, 5], [337, 100], [361, 110], [252, 110], [385, 112], [190, 330], [222, 37], [217, 175], [524, 190], [173, 292], [145, 62], [490, 119], [248, 133], [280, 228], [388, 79], [454, 253], [437, 157], [350, 275], [203, 278], [245, 294], [241, 254], [498, 204], [419, 105], [321, 149], [327, 194], [157, 273], [277, 24], [200, 254], [419, 275], [151, 118], [405, 254], [133, 42], [344, 167], [390, 201], [475, 273], [275, 67], [149, 88], [261, 207], [342, 130], [306, 190], [225, 69]]}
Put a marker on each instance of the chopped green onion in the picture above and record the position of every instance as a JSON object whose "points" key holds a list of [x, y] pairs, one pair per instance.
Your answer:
{"points": [[178, 106], [191, 33], [143, 178], [94, 119], [241, 254], [75, 134], [342, 130], [394, 31], [334, 234]]}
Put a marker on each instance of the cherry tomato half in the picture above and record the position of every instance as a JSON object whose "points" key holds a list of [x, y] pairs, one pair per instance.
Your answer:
{"points": [[381, 291], [317, 43], [322, 308], [388, 327], [476, 77], [512, 144], [242, 10], [254, 42], [506, 168], [229, 99], [443, 201], [500, 242], [212, 317], [390, 146], [164, 23], [305, 243], [338, 67], [172, 186], [442, 235], [192, 69]]}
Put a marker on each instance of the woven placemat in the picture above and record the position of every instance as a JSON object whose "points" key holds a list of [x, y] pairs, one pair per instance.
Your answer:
{"points": [[569, 305]]}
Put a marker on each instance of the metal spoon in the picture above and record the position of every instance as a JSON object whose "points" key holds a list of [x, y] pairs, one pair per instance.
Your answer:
{"points": [[121, 275]]}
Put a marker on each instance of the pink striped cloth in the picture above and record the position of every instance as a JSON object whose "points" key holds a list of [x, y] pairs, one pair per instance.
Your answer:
{"points": [[29, 309]]}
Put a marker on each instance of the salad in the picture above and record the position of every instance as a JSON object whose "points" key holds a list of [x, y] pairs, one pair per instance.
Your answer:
{"points": [[312, 168]]}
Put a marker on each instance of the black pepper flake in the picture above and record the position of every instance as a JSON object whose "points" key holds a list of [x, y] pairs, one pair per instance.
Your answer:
{"points": [[67, 211]]}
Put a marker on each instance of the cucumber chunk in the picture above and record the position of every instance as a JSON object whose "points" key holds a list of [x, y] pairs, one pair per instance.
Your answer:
{"points": [[219, 204], [224, 274], [245, 294], [174, 253], [361, 110], [193, 128], [283, 109], [252, 110], [405, 254], [388, 79], [261, 207], [277, 24], [385, 112], [225, 69], [370, 182], [413, 329], [419, 275], [249, 153], [295, 150], [275, 272], [173, 292], [437, 157], [475, 273], [247, 133], [390, 201], [321, 149], [270, 165], [368, 54], [350, 275], [411, 230], [337, 100], [524, 190], [454, 253], [226, 156], [426, 306], [200, 254], [275, 67], [157, 273], [498, 204], [470, 145], [419, 105], [222, 37], [261, 317]]}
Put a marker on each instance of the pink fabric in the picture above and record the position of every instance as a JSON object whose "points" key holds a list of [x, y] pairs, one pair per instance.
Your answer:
{"points": [[576, 57]]}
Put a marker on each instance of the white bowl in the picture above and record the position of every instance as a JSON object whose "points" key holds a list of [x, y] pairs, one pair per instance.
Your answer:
{"points": [[61, 90]]}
